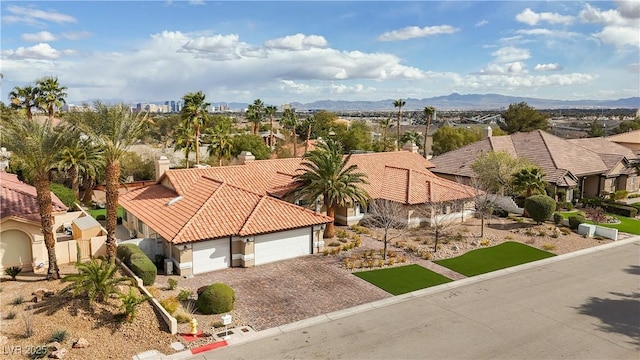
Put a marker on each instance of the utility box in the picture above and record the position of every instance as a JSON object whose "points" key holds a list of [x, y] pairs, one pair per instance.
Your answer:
{"points": [[587, 229], [168, 267]]}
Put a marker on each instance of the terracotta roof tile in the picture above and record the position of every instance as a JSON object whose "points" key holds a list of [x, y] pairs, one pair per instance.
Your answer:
{"points": [[19, 199]]}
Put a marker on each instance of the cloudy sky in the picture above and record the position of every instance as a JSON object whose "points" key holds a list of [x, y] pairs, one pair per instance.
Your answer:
{"points": [[304, 51]]}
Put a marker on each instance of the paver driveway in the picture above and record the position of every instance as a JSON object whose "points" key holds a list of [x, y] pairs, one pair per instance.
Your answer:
{"points": [[286, 291]]}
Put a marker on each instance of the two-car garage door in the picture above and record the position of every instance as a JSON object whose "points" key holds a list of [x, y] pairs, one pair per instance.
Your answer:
{"points": [[211, 255], [282, 245]]}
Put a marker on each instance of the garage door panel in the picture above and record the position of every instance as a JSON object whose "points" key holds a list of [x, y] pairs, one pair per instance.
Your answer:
{"points": [[211, 255], [282, 245]]}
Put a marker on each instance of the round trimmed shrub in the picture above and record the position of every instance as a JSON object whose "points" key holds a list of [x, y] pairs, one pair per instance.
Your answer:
{"points": [[540, 207], [557, 218], [576, 220], [215, 299], [144, 268]]}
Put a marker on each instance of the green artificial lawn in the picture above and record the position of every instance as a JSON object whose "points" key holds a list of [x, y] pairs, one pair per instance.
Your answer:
{"points": [[96, 212], [628, 225], [403, 279], [493, 258]]}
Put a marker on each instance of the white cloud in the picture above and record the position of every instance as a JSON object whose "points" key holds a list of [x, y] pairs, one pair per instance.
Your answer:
{"points": [[629, 8], [33, 16], [529, 17], [482, 23], [510, 54], [39, 51], [618, 30], [513, 68], [548, 67], [297, 42], [42, 36], [411, 32], [547, 32]]}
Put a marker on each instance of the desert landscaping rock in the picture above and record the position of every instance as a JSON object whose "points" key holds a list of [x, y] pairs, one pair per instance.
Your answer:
{"points": [[81, 343]]}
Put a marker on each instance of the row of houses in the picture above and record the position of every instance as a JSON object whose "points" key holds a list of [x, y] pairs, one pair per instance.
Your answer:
{"points": [[205, 219]]}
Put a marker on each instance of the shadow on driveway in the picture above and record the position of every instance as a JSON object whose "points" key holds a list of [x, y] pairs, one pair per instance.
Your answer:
{"points": [[620, 315]]}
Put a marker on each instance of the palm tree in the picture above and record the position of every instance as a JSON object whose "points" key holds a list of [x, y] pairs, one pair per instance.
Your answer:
{"points": [[114, 128], [325, 174], [399, 104], [35, 146], [428, 116], [270, 110], [51, 95], [24, 98], [79, 158], [412, 137], [194, 115], [97, 279], [254, 114], [290, 121], [184, 141], [385, 130], [221, 144], [529, 180]]}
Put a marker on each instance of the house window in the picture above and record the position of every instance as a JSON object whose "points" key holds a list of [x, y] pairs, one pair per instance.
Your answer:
{"points": [[125, 215], [140, 227], [612, 186]]}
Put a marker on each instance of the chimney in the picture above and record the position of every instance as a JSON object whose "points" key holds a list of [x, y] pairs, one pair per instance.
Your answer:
{"points": [[161, 166], [411, 147], [246, 157], [487, 132]]}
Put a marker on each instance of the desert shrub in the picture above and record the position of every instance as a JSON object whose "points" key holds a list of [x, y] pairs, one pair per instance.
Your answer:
{"points": [[620, 194], [10, 315], [565, 231], [185, 295], [576, 220], [182, 317], [500, 213], [555, 233], [171, 284], [130, 302], [542, 233], [334, 244], [360, 230], [170, 304], [508, 237], [216, 299], [485, 242], [13, 272], [540, 207], [548, 247], [154, 291], [557, 218], [58, 336], [144, 268], [341, 234], [529, 232], [17, 300]]}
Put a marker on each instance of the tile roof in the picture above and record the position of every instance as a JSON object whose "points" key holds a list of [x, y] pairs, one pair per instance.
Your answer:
{"points": [[604, 146], [212, 209], [19, 199], [556, 156], [235, 200], [632, 137]]}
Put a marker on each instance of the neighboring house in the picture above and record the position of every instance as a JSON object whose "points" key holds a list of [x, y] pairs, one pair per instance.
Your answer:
{"points": [[629, 140], [277, 136], [577, 170], [21, 239], [213, 218]]}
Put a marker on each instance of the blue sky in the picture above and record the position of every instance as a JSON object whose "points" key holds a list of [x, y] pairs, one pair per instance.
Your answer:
{"points": [[304, 51]]}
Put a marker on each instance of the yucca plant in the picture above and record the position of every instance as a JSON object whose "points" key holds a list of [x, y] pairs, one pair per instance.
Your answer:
{"points": [[58, 336], [96, 278], [13, 272]]}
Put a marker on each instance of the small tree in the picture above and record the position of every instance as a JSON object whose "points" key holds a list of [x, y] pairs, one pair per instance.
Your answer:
{"points": [[540, 207], [595, 214], [482, 201], [97, 279], [387, 215], [442, 215], [130, 302]]}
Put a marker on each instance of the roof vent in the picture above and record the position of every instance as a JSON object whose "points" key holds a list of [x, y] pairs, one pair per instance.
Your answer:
{"points": [[174, 200]]}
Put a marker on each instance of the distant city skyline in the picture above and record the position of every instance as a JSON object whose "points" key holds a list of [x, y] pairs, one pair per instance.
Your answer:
{"points": [[284, 52]]}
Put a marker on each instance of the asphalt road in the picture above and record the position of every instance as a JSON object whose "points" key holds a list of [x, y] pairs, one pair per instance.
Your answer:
{"points": [[584, 307]]}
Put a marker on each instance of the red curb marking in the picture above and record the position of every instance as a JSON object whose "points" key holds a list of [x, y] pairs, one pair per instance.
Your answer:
{"points": [[208, 347]]}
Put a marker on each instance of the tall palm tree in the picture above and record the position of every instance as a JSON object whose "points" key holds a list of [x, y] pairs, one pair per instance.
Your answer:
{"points": [[529, 180], [114, 128], [184, 141], [51, 95], [254, 114], [194, 114], [270, 110], [326, 174], [428, 116], [399, 104], [24, 98], [79, 158], [290, 121], [412, 137], [385, 130], [35, 146]]}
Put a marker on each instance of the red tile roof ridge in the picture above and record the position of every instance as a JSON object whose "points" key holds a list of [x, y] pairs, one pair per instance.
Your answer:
{"points": [[202, 207], [231, 185]]}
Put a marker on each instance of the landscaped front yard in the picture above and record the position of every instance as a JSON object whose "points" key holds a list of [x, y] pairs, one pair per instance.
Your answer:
{"points": [[403, 279], [494, 258], [627, 225]]}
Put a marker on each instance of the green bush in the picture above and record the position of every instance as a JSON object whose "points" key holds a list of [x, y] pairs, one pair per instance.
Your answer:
{"points": [[215, 299], [624, 210], [64, 194], [620, 194], [124, 252], [592, 202], [576, 220], [567, 205], [144, 268], [540, 207], [557, 218], [13, 272]]}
